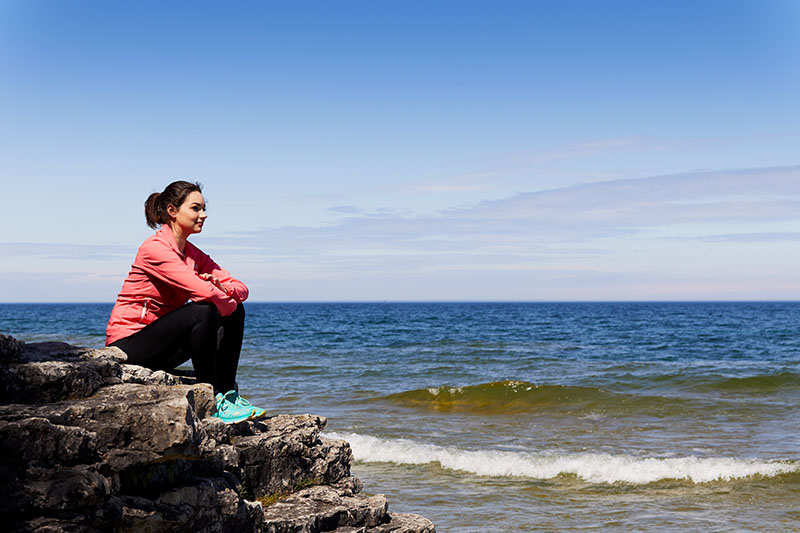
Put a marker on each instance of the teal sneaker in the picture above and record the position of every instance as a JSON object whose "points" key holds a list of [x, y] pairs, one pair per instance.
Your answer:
{"points": [[257, 411], [229, 412]]}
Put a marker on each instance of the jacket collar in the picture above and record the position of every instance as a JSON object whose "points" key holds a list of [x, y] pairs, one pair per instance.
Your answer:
{"points": [[165, 234]]}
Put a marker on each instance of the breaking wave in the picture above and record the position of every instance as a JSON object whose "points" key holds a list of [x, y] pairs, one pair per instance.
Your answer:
{"points": [[589, 467]]}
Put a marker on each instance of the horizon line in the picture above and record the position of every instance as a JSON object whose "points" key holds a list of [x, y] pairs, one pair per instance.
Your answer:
{"points": [[465, 301]]}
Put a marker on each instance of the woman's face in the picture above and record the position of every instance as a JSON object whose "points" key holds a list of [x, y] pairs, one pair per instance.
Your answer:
{"points": [[189, 217]]}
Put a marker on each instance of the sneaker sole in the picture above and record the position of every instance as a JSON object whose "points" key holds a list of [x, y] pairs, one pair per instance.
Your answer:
{"points": [[235, 420]]}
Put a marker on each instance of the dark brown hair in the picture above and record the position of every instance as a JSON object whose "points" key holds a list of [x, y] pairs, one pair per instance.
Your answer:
{"points": [[155, 207]]}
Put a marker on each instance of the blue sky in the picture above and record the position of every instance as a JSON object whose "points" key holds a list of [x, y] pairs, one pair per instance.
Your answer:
{"points": [[510, 150]]}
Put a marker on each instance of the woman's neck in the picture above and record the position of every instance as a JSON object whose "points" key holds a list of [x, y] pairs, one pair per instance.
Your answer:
{"points": [[180, 238]]}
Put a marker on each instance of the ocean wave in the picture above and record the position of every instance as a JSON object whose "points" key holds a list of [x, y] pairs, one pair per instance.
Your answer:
{"points": [[763, 384], [511, 397], [515, 397], [589, 467]]}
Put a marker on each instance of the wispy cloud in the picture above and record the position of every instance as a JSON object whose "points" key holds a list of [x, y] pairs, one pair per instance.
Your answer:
{"points": [[346, 210], [51, 251], [545, 221], [589, 148], [625, 205], [761, 237], [475, 182]]}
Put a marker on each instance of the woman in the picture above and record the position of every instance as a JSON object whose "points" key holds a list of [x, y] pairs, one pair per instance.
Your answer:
{"points": [[153, 323]]}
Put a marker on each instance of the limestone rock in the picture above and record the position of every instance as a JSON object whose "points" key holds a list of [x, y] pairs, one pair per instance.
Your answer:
{"points": [[52, 371], [90, 443], [323, 508], [10, 348], [404, 523], [111, 353]]}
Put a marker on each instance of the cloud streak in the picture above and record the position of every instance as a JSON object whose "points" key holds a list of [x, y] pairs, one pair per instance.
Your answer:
{"points": [[662, 237], [543, 222], [591, 148], [59, 251]]}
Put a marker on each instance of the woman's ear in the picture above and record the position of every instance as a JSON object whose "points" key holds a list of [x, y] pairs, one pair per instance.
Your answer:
{"points": [[172, 211]]}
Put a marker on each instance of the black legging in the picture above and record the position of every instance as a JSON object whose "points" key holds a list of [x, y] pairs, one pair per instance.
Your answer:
{"points": [[194, 331]]}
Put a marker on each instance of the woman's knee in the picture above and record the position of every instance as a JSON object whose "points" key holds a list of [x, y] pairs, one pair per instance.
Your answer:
{"points": [[237, 317], [205, 313]]}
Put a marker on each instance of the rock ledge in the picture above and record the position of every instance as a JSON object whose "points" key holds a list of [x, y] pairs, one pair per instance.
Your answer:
{"points": [[89, 443]]}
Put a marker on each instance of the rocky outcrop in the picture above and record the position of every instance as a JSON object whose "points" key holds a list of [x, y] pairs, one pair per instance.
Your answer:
{"points": [[89, 443]]}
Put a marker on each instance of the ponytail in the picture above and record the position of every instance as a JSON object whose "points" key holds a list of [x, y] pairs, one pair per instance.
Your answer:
{"points": [[152, 211], [155, 207]]}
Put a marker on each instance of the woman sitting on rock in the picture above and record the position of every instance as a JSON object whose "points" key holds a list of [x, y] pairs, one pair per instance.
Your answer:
{"points": [[153, 323]]}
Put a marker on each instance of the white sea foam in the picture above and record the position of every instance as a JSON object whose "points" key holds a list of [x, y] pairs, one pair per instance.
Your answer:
{"points": [[591, 467]]}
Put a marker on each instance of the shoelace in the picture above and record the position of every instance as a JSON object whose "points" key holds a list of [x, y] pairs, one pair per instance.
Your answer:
{"points": [[242, 401], [223, 404]]}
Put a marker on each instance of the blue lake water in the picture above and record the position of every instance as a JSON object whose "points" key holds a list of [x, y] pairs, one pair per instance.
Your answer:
{"points": [[533, 416]]}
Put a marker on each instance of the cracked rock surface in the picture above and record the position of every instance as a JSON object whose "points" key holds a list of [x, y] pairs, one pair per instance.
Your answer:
{"points": [[89, 443]]}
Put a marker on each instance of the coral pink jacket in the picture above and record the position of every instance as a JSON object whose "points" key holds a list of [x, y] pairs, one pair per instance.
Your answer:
{"points": [[162, 279]]}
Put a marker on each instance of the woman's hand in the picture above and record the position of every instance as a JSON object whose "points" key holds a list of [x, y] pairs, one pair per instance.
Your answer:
{"points": [[214, 281]]}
